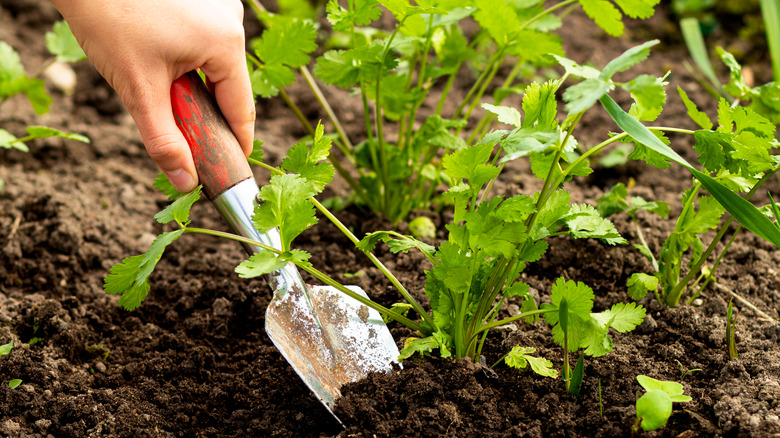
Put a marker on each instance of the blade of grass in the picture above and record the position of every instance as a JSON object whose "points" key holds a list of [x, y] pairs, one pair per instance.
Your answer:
{"points": [[770, 9], [745, 212], [694, 40]]}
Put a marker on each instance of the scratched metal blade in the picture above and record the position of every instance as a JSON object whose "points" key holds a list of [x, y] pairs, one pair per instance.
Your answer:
{"points": [[343, 343]]}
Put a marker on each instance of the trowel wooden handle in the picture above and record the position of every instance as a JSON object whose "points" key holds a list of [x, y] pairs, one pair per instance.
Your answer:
{"points": [[220, 162]]}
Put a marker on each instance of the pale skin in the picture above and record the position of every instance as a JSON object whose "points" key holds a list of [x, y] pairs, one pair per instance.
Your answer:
{"points": [[141, 46]]}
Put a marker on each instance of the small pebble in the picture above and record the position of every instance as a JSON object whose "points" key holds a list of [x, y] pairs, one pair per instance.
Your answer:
{"points": [[698, 302], [100, 367]]}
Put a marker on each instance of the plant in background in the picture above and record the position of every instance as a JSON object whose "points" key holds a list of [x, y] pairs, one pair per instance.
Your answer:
{"points": [[399, 162], [654, 407], [739, 153], [14, 81], [4, 350]]}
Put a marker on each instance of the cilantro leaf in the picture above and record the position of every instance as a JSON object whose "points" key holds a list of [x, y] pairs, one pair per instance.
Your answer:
{"points": [[306, 161], [649, 95], [163, 184], [396, 242], [257, 150], [470, 164], [363, 13], [179, 210], [640, 284], [585, 221], [579, 299], [540, 106], [505, 114], [638, 8], [606, 15], [498, 18], [585, 94], [260, 263], [424, 346], [130, 278], [61, 43], [673, 389], [625, 317], [520, 358], [45, 131], [697, 116], [285, 206], [345, 68], [285, 45], [13, 80]]}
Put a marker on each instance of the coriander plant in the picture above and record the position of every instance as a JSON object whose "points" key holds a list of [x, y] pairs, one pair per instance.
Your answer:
{"points": [[397, 70]]}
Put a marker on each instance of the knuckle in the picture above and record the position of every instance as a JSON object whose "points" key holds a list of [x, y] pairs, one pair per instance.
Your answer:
{"points": [[163, 147]]}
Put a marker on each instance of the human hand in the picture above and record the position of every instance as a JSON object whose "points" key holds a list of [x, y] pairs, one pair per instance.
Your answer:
{"points": [[141, 46]]}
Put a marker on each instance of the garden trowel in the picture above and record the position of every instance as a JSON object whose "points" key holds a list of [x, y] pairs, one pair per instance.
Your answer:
{"points": [[328, 337]]}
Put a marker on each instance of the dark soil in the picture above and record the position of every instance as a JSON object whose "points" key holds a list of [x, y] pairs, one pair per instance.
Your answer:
{"points": [[194, 360]]}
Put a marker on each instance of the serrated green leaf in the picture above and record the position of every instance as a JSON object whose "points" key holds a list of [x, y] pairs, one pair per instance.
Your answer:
{"points": [[638, 8], [520, 357], [163, 184], [257, 151], [625, 316], [45, 131], [697, 116], [130, 278], [586, 222], [579, 302], [595, 337], [260, 263], [575, 69], [11, 67], [540, 106], [345, 68], [640, 284], [606, 15], [498, 18], [423, 347], [287, 42], [307, 161], [535, 46], [285, 206], [579, 97], [736, 86], [627, 59], [614, 201], [61, 43], [179, 210], [362, 14], [470, 164], [261, 85], [649, 93], [505, 114], [9, 141]]}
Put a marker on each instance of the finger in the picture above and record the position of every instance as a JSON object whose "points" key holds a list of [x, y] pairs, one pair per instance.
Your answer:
{"points": [[233, 92], [150, 106]]}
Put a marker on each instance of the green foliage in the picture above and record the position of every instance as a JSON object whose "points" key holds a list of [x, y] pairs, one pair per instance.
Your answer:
{"points": [[14, 81], [61, 43], [394, 70], [654, 408], [521, 357], [13, 384], [6, 348]]}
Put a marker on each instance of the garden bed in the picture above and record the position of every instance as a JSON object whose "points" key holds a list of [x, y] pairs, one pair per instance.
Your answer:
{"points": [[194, 359]]}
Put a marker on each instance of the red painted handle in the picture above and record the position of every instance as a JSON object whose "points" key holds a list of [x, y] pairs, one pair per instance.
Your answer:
{"points": [[220, 162]]}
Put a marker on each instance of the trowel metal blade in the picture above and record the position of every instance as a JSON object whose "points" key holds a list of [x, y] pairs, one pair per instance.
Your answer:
{"points": [[343, 343]]}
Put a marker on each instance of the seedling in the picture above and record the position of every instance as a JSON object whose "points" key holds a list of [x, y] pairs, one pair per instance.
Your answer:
{"points": [[14, 81], [731, 339], [684, 372], [6, 348], [14, 383], [654, 408]]}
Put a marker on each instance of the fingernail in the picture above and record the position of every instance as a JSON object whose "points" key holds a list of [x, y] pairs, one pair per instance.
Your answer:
{"points": [[182, 180]]}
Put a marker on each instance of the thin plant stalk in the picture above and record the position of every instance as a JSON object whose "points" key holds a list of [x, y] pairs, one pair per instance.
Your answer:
{"points": [[382, 268], [770, 9]]}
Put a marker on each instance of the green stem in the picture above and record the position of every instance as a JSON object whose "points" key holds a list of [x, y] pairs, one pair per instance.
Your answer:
{"points": [[485, 84], [445, 92], [314, 272], [477, 84], [506, 321], [347, 148], [715, 265]]}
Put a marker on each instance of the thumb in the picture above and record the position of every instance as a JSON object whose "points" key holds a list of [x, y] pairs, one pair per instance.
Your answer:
{"points": [[151, 109]]}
